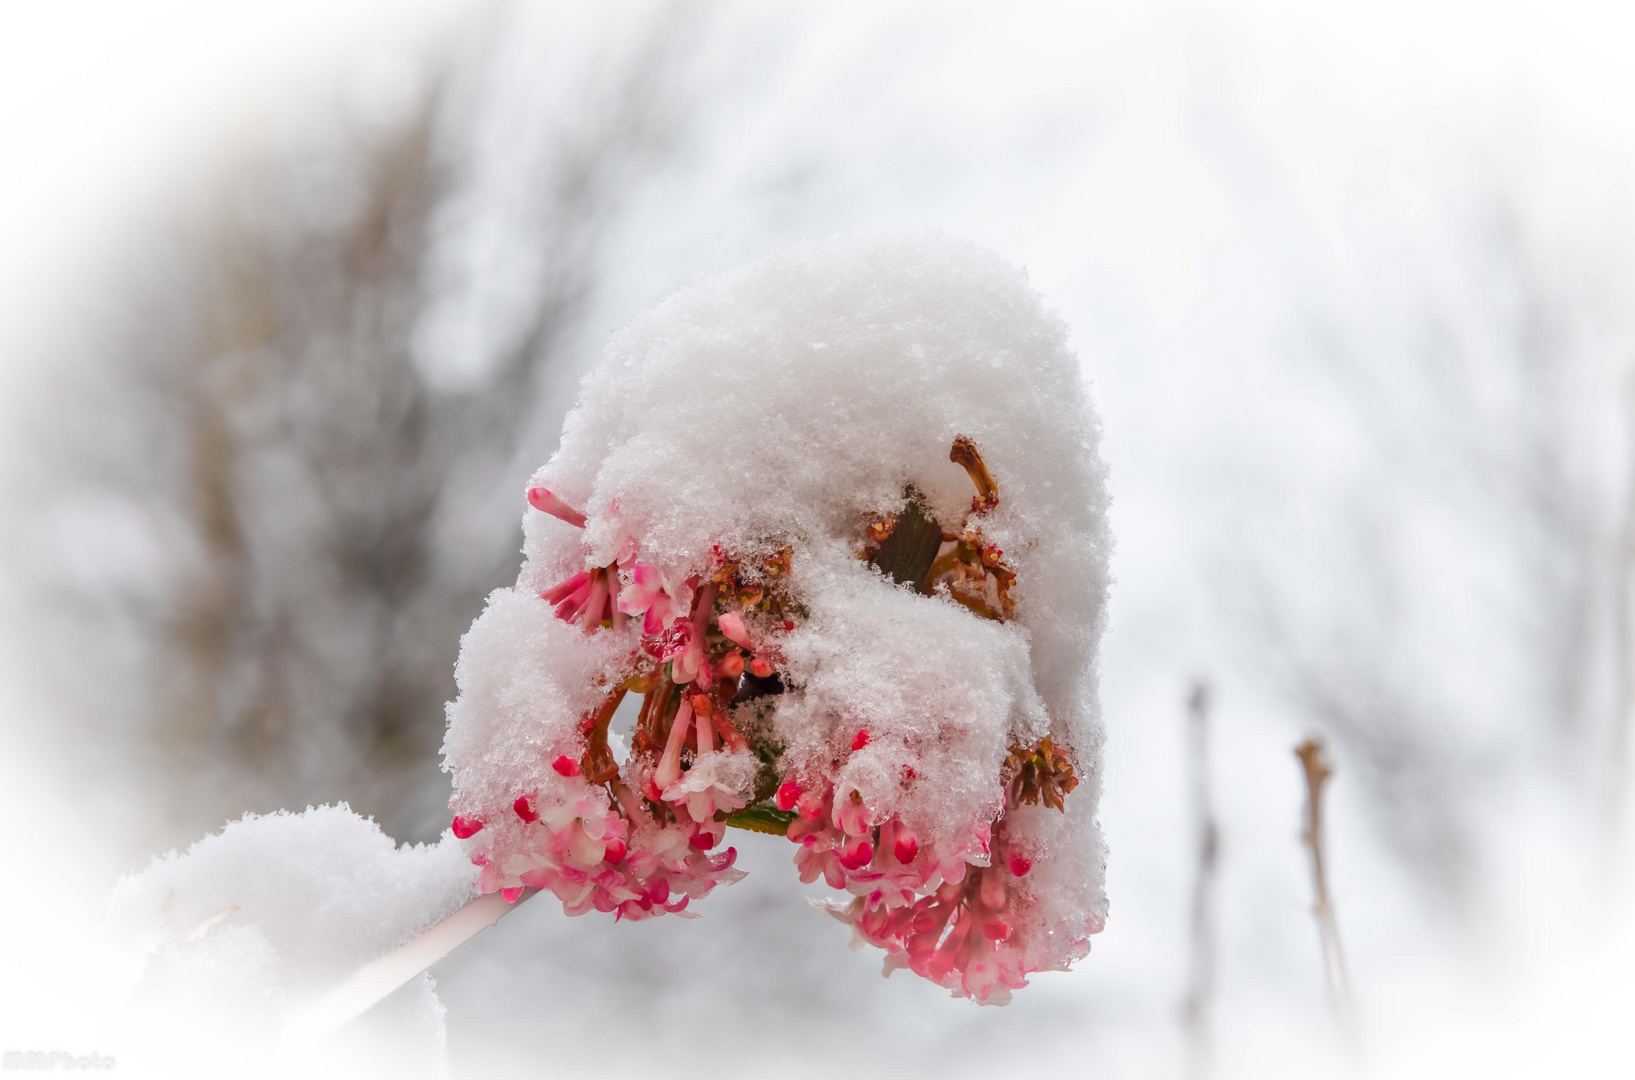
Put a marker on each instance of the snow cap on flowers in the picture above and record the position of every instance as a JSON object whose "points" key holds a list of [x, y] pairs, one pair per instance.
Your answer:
{"points": [[782, 410]]}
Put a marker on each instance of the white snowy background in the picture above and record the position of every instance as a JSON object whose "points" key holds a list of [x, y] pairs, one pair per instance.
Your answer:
{"points": [[1351, 285]]}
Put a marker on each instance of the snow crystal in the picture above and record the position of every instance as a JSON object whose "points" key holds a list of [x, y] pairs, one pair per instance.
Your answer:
{"points": [[277, 909], [710, 535]]}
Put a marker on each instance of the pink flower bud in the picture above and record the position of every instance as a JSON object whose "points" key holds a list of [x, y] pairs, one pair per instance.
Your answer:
{"points": [[760, 668], [542, 500], [524, 806], [465, 828], [731, 666], [732, 625], [566, 765], [908, 845], [511, 895], [1020, 865], [810, 806], [861, 739], [615, 850]]}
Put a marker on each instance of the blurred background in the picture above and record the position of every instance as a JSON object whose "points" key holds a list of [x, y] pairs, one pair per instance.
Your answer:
{"points": [[295, 297]]}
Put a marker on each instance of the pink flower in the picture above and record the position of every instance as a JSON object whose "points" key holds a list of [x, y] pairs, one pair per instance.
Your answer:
{"points": [[466, 828], [566, 765], [732, 625], [818, 860], [851, 815], [692, 665], [856, 853], [524, 806], [647, 596], [669, 770], [542, 500], [702, 791]]}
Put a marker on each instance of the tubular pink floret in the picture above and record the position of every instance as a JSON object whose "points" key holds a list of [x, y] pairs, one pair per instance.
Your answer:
{"points": [[706, 730], [564, 589], [669, 770], [542, 500]]}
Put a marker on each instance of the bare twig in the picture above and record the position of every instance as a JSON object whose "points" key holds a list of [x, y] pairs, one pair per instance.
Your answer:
{"points": [[1197, 1008], [1314, 759], [381, 976]]}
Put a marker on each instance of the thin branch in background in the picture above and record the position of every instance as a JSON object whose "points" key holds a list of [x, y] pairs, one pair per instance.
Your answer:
{"points": [[1198, 1006], [1314, 758], [1623, 661]]}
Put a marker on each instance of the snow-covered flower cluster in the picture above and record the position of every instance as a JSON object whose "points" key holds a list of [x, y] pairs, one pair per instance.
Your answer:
{"points": [[838, 519]]}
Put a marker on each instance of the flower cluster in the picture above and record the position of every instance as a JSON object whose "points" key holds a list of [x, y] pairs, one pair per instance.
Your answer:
{"points": [[640, 838]]}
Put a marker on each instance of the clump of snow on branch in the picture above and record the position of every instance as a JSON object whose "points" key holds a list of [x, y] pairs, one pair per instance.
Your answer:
{"points": [[275, 910], [729, 530]]}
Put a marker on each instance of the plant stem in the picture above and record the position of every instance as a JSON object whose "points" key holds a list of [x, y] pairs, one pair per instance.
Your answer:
{"points": [[1197, 1007]]}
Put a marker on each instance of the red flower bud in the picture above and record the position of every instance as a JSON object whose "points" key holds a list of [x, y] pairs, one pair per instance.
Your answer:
{"points": [[788, 794], [464, 828]]}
